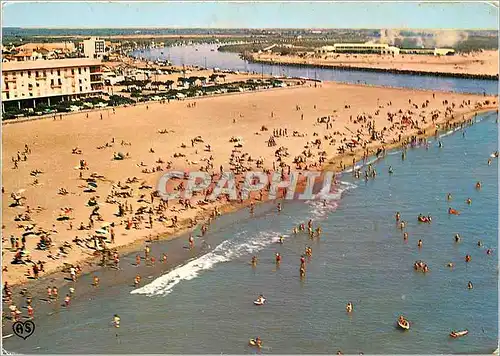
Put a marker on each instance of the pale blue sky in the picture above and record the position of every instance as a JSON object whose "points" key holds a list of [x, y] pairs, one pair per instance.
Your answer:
{"points": [[252, 15]]}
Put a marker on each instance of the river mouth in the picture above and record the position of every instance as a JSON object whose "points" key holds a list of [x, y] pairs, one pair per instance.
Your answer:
{"points": [[206, 55]]}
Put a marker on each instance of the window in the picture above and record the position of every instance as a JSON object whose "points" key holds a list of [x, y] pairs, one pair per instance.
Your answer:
{"points": [[79, 70], [29, 74], [59, 81], [58, 72], [8, 95], [73, 71]]}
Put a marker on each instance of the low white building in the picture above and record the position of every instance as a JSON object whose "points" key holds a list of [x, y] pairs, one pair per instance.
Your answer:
{"points": [[367, 48]]}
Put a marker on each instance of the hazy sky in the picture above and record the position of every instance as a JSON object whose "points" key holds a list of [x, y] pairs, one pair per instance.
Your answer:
{"points": [[266, 14]]}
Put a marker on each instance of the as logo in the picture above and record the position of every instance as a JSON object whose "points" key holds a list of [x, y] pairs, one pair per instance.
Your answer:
{"points": [[24, 329]]}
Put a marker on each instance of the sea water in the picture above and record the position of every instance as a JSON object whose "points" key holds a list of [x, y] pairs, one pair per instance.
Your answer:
{"points": [[205, 305]]}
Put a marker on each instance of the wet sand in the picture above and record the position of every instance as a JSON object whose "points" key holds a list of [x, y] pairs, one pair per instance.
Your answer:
{"points": [[51, 143]]}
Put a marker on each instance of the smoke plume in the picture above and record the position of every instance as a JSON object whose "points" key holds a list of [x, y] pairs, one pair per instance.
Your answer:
{"points": [[427, 38]]}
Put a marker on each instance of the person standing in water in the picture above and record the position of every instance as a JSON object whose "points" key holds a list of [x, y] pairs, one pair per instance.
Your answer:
{"points": [[191, 241], [116, 321], [254, 261]]}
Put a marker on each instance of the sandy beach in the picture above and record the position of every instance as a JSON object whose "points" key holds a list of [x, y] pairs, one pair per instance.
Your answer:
{"points": [[158, 137], [479, 63]]}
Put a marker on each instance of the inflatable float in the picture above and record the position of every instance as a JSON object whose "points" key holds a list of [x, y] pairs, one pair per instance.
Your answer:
{"points": [[253, 342], [259, 302], [404, 324], [455, 334]]}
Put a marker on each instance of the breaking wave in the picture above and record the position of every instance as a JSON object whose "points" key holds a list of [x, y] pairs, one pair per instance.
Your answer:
{"points": [[242, 244], [224, 252]]}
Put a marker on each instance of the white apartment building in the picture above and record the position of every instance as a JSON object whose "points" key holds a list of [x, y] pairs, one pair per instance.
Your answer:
{"points": [[94, 47], [29, 83]]}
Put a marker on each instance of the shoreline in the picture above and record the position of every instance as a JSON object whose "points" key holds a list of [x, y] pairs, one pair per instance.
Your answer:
{"points": [[123, 286], [90, 263], [253, 59]]}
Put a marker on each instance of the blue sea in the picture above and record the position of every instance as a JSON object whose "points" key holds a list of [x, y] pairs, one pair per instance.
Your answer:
{"points": [[205, 305]]}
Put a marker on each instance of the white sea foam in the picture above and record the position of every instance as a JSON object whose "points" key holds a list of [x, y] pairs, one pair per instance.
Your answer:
{"points": [[320, 208], [360, 164], [242, 244], [224, 252], [448, 133]]}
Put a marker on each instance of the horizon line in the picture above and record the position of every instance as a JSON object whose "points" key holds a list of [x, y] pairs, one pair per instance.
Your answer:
{"points": [[237, 28]]}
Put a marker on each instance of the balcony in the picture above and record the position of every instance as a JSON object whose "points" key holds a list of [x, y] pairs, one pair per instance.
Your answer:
{"points": [[40, 77], [55, 86], [7, 80]]}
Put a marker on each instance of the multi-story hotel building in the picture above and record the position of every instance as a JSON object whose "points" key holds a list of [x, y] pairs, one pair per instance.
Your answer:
{"points": [[29, 83], [94, 47]]}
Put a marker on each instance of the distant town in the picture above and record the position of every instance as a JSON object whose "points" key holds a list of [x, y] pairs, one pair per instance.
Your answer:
{"points": [[48, 71]]}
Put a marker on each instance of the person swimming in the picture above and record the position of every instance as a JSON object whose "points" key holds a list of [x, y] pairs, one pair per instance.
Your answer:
{"points": [[457, 237], [279, 207], [467, 258], [398, 216], [469, 201], [278, 258], [281, 240], [449, 197], [349, 307], [478, 185], [391, 171], [405, 236], [419, 244], [469, 285]]}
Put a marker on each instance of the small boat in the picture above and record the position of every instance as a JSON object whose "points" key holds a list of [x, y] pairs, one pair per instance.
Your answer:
{"points": [[404, 324], [259, 301], [455, 334], [253, 342], [424, 219]]}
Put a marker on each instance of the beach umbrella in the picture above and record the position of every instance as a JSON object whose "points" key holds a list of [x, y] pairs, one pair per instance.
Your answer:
{"points": [[92, 184]]}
